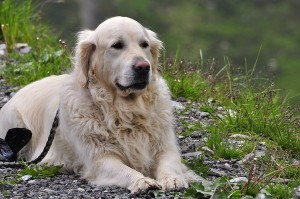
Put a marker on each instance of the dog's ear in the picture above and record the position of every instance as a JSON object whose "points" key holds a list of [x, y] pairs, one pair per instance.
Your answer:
{"points": [[155, 47], [84, 49]]}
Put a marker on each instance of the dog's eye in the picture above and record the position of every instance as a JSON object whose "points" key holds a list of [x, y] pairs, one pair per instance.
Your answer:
{"points": [[144, 44], [118, 45]]}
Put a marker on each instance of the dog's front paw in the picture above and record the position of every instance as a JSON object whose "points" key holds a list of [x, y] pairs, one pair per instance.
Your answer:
{"points": [[170, 183], [144, 184]]}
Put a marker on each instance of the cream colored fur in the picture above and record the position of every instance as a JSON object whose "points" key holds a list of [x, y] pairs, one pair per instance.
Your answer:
{"points": [[111, 136]]}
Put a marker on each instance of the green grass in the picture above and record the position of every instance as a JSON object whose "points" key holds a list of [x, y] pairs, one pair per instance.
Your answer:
{"points": [[20, 23], [259, 111], [39, 171], [34, 66], [35, 171]]}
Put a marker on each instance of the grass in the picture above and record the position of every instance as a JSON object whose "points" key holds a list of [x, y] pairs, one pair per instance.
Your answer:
{"points": [[253, 106], [35, 171], [20, 23]]}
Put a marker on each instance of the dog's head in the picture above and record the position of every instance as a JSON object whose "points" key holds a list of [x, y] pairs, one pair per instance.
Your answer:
{"points": [[121, 54]]}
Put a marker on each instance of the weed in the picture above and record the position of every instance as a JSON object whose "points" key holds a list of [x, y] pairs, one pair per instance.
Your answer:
{"points": [[39, 171], [216, 141], [184, 79], [34, 66], [197, 166], [189, 128], [281, 191], [21, 23]]}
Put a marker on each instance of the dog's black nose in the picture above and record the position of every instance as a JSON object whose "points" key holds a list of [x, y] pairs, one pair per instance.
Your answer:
{"points": [[141, 67]]}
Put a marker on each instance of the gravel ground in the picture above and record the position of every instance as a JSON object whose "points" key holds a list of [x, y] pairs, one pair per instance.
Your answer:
{"points": [[71, 186]]}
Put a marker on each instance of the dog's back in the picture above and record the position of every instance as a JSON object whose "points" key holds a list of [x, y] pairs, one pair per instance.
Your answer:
{"points": [[33, 107]]}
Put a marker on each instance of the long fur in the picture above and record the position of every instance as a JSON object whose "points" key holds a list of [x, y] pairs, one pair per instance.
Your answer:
{"points": [[109, 136]]}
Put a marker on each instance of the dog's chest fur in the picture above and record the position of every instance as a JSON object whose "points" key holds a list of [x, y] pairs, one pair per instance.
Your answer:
{"points": [[136, 127]]}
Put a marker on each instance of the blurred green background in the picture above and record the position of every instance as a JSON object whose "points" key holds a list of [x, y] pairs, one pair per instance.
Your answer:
{"points": [[233, 28]]}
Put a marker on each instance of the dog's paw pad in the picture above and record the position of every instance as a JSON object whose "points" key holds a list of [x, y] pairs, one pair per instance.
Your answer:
{"points": [[144, 184], [171, 183]]}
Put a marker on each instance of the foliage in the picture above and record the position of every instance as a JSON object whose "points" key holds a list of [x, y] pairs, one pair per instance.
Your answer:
{"points": [[198, 166], [256, 184], [20, 23], [35, 171], [35, 65], [184, 78], [39, 171]]}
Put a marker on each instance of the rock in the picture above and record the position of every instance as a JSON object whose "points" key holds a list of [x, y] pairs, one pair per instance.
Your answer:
{"points": [[22, 48], [239, 180], [297, 192], [238, 143], [198, 134], [227, 166], [193, 155], [259, 154], [239, 136], [48, 190], [181, 137], [31, 181], [80, 189], [216, 172], [262, 146], [177, 106], [26, 177], [208, 150], [181, 99], [202, 115], [3, 50], [247, 158]]}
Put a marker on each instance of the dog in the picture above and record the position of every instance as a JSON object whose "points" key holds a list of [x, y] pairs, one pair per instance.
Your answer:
{"points": [[115, 112]]}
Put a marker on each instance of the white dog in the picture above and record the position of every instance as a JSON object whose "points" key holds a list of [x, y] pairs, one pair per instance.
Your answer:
{"points": [[115, 112]]}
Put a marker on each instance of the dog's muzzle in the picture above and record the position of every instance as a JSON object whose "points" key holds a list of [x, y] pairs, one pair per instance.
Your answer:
{"points": [[141, 75]]}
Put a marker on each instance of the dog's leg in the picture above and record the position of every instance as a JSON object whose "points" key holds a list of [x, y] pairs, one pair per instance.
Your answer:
{"points": [[111, 171], [170, 171]]}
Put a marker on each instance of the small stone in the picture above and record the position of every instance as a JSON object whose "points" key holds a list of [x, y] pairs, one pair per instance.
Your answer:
{"points": [[208, 150], [177, 106], [227, 166], [197, 134], [80, 189], [247, 158], [22, 48], [26, 177], [231, 113], [297, 192], [11, 94], [181, 99], [259, 154], [238, 180], [202, 115], [181, 137], [192, 154], [31, 182], [5, 99], [48, 190], [240, 136], [220, 108], [217, 173]]}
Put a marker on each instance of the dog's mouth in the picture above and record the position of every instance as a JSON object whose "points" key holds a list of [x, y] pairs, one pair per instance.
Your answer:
{"points": [[135, 86]]}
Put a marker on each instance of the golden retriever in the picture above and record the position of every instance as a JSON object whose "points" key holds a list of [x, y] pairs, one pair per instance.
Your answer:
{"points": [[115, 112]]}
